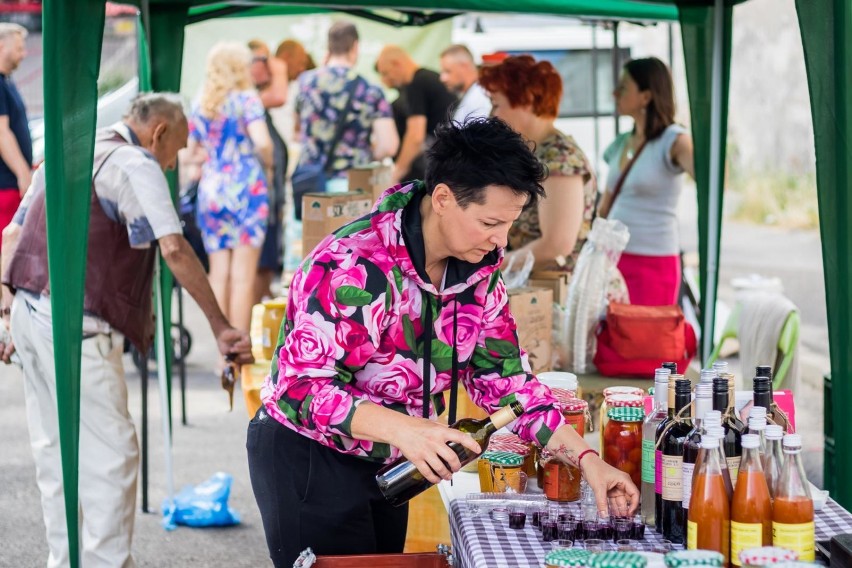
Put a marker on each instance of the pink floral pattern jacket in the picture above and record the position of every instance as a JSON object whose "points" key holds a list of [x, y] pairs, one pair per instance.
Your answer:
{"points": [[354, 332]]}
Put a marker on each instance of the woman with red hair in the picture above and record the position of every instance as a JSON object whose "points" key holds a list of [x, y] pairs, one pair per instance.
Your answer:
{"points": [[525, 93]]}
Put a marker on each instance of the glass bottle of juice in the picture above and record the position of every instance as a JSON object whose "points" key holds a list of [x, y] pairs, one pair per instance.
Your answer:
{"points": [[650, 473], [751, 509], [719, 432], [709, 508], [702, 404], [793, 510], [658, 452], [733, 433], [757, 426], [671, 444], [773, 459]]}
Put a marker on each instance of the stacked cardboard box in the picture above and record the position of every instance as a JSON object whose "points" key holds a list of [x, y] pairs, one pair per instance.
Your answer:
{"points": [[324, 213], [532, 309], [372, 179]]}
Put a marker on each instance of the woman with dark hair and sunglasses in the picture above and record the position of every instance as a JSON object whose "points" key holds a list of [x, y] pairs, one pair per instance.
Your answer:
{"points": [[644, 182], [383, 317]]}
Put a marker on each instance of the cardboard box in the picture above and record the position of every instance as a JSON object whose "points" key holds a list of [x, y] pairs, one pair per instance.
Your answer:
{"points": [[532, 309], [373, 179], [555, 280], [324, 213]]}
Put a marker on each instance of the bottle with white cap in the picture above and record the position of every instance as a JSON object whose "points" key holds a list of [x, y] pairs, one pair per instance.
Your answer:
{"points": [[751, 508], [710, 509], [720, 367], [757, 425], [727, 473], [793, 510], [773, 459], [651, 475], [702, 404]]}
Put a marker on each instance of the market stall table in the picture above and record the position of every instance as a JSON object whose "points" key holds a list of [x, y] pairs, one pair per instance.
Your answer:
{"points": [[478, 541]]}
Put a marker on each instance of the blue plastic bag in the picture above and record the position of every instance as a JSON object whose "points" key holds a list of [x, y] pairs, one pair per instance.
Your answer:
{"points": [[204, 505]]}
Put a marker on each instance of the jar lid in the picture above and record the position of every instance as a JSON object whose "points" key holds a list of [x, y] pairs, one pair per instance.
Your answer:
{"points": [[574, 405], [694, 558], [563, 394], [791, 564], [766, 555], [617, 560], [609, 391], [508, 443], [503, 458], [626, 414], [570, 557], [621, 400]]}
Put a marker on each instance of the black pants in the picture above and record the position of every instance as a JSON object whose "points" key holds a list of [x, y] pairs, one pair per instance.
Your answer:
{"points": [[312, 496]]}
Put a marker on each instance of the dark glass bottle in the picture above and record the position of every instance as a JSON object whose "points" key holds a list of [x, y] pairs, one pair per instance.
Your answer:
{"points": [[703, 404], [732, 442], [671, 366], [774, 415], [672, 447], [400, 481], [658, 454]]}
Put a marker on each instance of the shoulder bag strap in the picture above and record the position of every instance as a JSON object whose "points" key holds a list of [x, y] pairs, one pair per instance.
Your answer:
{"points": [[341, 123], [618, 184]]}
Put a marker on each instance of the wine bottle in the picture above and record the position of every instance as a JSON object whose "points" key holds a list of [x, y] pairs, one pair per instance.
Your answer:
{"points": [[763, 396], [400, 481], [658, 453], [650, 475], [732, 442], [672, 447]]}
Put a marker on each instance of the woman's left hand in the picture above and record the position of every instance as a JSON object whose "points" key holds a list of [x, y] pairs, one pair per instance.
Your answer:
{"points": [[614, 491]]}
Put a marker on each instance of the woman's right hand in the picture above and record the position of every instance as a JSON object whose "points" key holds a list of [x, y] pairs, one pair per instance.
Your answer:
{"points": [[424, 443]]}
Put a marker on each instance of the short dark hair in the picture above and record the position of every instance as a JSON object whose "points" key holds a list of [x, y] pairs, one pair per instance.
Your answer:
{"points": [[651, 74], [480, 152], [341, 37]]}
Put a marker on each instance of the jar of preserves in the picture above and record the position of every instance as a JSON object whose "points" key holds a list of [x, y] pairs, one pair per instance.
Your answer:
{"points": [[622, 447], [559, 480], [765, 556], [690, 558], [616, 560], [576, 413], [514, 444], [619, 400], [566, 558], [273, 315], [498, 470]]}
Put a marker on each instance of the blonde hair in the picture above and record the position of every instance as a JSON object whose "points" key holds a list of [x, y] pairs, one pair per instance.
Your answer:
{"points": [[227, 71]]}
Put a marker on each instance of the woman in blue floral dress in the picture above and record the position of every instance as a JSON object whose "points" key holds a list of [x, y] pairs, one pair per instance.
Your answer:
{"points": [[228, 133]]}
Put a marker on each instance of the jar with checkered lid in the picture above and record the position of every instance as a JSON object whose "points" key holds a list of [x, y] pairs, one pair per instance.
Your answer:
{"points": [[765, 556], [497, 469], [622, 446], [567, 558], [791, 564], [687, 558], [615, 397], [617, 560]]}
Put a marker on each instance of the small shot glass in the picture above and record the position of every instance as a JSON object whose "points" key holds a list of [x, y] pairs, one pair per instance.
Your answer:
{"points": [[594, 545], [517, 516], [625, 545]]}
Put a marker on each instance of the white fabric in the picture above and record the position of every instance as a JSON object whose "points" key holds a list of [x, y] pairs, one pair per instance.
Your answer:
{"points": [[761, 321], [474, 103], [109, 453]]}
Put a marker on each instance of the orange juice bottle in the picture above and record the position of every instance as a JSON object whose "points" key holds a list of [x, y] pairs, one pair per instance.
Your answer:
{"points": [[708, 527], [793, 510], [751, 508]]}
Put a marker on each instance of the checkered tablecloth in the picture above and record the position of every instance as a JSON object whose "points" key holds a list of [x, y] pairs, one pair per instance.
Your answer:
{"points": [[480, 542]]}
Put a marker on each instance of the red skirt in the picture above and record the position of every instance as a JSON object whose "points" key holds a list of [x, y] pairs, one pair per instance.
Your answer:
{"points": [[9, 200], [651, 280]]}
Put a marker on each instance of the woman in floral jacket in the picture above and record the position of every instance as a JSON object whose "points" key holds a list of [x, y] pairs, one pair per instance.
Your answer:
{"points": [[413, 285]]}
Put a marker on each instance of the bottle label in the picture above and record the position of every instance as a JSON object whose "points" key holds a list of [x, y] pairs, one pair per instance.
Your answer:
{"points": [[691, 535], [733, 469], [688, 468], [743, 537], [648, 459], [799, 538], [658, 472], [673, 478]]}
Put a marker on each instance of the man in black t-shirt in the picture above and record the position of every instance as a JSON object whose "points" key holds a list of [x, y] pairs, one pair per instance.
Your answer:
{"points": [[428, 101], [16, 147]]}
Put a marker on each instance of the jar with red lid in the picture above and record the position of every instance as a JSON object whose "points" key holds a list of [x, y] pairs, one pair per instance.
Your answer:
{"points": [[576, 413], [619, 399], [622, 445], [559, 480]]}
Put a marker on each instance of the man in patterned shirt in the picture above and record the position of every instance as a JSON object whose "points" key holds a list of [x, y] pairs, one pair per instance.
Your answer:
{"points": [[369, 132], [131, 213]]}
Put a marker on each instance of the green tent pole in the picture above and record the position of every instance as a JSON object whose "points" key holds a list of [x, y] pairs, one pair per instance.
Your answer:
{"points": [[70, 109], [706, 33], [825, 26]]}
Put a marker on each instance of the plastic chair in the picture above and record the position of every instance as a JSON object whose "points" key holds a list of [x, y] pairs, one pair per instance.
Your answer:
{"points": [[787, 341]]}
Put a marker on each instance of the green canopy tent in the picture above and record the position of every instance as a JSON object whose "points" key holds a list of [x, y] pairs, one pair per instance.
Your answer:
{"points": [[70, 107]]}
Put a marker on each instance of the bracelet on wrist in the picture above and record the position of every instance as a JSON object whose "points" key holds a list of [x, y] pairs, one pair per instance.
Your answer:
{"points": [[583, 454]]}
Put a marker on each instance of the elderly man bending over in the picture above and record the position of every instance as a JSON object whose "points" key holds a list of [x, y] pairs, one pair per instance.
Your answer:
{"points": [[131, 213]]}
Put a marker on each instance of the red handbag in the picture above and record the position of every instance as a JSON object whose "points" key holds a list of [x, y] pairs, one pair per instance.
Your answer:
{"points": [[634, 340]]}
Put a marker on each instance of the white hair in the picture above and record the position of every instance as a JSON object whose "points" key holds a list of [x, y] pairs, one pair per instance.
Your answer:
{"points": [[8, 29]]}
